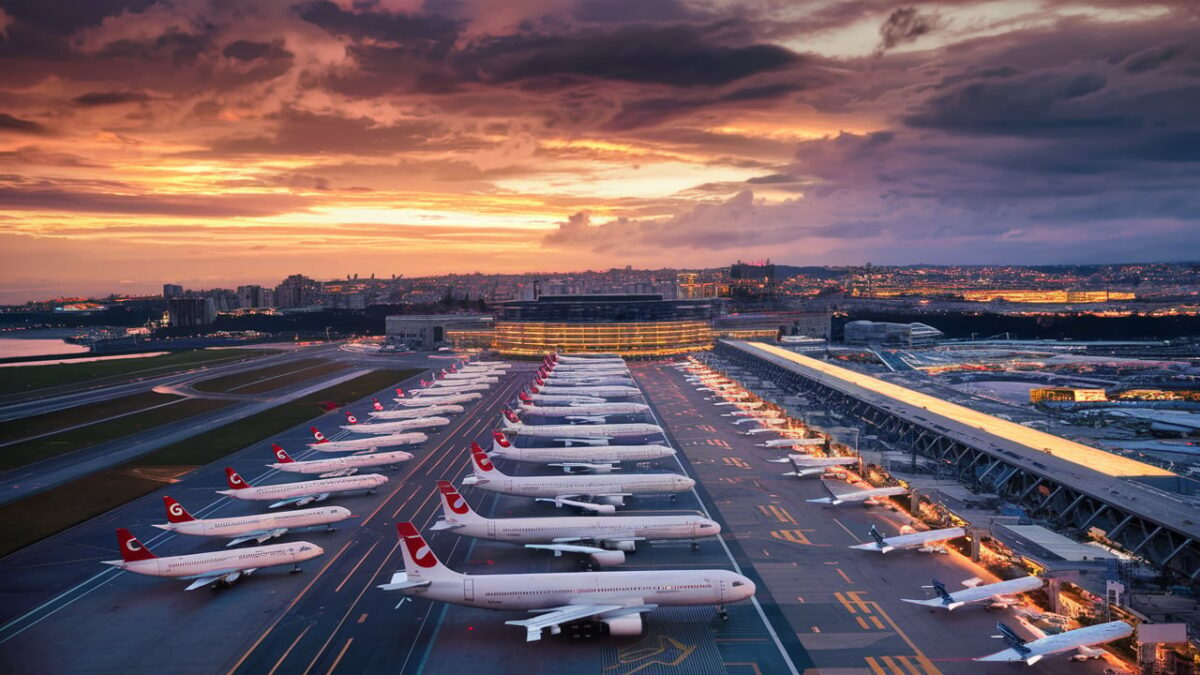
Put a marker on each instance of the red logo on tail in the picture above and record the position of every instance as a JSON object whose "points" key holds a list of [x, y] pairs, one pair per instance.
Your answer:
{"points": [[483, 462], [500, 439], [417, 548], [351, 418], [235, 481], [399, 392], [378, 406], [281, 454], [318, 435], [454, 500], [175, 511], [131, 549]]}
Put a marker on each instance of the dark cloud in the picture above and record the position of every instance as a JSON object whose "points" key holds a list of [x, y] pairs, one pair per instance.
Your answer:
{"points": [[180, 48], [11, 124], [102, 98], [299, 132], [905, 25], [53, 198], [1152, 58], [245, 50], [629, 11], [64, 18], [393, 27]]}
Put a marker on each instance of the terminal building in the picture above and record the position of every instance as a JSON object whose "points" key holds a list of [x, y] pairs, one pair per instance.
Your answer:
{"points": [[643, 325], [886, 333]]}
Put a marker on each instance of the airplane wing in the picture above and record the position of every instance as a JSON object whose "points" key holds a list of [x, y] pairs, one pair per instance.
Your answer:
{"points": [[593, 440], [300, 501], [260, 536], [400, 582], [555, 617], [590, 419], [564, 547], [209, 578]]}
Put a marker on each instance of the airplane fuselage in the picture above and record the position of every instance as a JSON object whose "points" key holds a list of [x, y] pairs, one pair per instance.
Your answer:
{"points": [[343, 463], [307, 488], [585, 430], [601, 484], [585, 453], [548, 530], [370, 443], [199, 564], [240, 525], [593, 410]]}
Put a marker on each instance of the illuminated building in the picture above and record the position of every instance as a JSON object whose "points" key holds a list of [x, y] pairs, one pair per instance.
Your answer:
{"points": [[630, 325], [881, 332], [1066, 394]]}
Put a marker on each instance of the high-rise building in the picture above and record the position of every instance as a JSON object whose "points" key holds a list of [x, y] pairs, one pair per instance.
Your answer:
{"points": [[191, 311], [255, 296], [172, 291], [297, 291]]}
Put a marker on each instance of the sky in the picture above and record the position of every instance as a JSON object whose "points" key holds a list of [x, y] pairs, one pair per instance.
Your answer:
{"points": [[220, 142]]}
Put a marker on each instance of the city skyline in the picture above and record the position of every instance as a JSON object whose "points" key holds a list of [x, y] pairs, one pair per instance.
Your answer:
{"points": [[215, 144]]}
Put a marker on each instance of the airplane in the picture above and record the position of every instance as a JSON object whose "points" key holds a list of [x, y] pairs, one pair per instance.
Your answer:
{"points": [[606, 539], [615, 599], [591, 381], [596, 412], [765, 421], [396, 426], [337, 466], [442, 387], [1000, 590], [416, 412], [1080, 639], [299, 493], [868, 497], [919, 540], [560, 399], [605, 391], [430, 401], [593, 359], [258, 527], [792, 442], [812, 466], [360, 444], [607, 490], [513, 424], [595, 458], [470, 377], [218, 568]]}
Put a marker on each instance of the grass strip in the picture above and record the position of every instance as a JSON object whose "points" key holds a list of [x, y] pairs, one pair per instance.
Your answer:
{"points": [[37, 449], [230, 383], [83, 414], [34, 518], [292, 378], [19, 379]]}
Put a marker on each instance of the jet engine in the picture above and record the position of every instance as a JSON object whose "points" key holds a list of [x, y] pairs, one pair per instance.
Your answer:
{"points": [[621, 545], [604, 558], [624, 625], [615, 500]]}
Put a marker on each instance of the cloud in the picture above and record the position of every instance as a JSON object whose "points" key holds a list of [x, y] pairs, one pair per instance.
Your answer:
{"points": [[905, 25], [246, 50], [11, 124], [101, 98]]}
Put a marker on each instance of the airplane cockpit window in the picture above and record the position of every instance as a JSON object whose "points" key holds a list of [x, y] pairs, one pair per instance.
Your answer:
{"points": [[738, 583]]}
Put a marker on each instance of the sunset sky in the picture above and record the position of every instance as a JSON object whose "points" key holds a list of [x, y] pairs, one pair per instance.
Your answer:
{"points": [[223, 142]]}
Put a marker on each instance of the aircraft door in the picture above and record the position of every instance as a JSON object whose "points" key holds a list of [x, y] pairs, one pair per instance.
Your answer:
{"points": [[468, 589], [722, 588], [491, 527]]}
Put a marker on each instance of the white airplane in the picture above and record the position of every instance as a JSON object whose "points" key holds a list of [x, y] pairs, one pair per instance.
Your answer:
{"points": [[396, 426], [591, 358], [765, 421], [215, 567], [258, 527], [1002, 590], [477, 378], [868, 497], [569, 432], [1080, 640], [608, 491], [792, 442], [560, 399], [444, 387], [922, 541], [593, 381], [360, 444], [337, 466], [615, 599], [606, 539], [596, 412], [302, 492], [431, 401], [594, 458], [806, 466], [605, 391], [411, 413]]}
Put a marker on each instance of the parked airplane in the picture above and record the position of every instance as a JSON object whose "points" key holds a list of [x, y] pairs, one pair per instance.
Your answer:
{"points": [[337, 466], [397, 426], [812, 466], [568, 432], [258, 527], [1002, 591], [412, 413], [582, 410], [608, 491], [606, 539], [792, 442], [581, 381], [477, 378], [603, 391], [868, 497], [215, 567], [591, 358], [1080, 640], [919, 540], [560, 399], [444, 388], [615, 599], [594, 458], [302, 492], [361, 444], [430, 401]]}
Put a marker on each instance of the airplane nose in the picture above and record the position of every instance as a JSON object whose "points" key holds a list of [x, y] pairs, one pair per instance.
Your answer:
{"points": [[716, 527], [688, 483], [748, 589], [317, 550]]}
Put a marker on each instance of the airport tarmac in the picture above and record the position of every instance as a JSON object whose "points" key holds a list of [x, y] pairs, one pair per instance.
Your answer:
{"points": [[843, 605], [817, 604]]}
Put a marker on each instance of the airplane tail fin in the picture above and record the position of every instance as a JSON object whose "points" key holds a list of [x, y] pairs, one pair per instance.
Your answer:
{"points": [[1011, 638], [419, 560], [236, 482], [350, 418], [500, 440], [376, 404], [281, 454], [175, 511], [483, 467], [399, 392], [533, 388], [524, 396], [940, 589], [510, 418], [132, 550], [877, 537], [454, 505], [320, 437]]}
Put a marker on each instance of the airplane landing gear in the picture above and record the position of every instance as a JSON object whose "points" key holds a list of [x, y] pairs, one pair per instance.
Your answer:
{"points": [[722, 613], [695, 546], [295, 570]]}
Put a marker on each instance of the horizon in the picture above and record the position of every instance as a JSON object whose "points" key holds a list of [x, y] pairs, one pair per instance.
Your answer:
{"points": [[193, 141]]}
